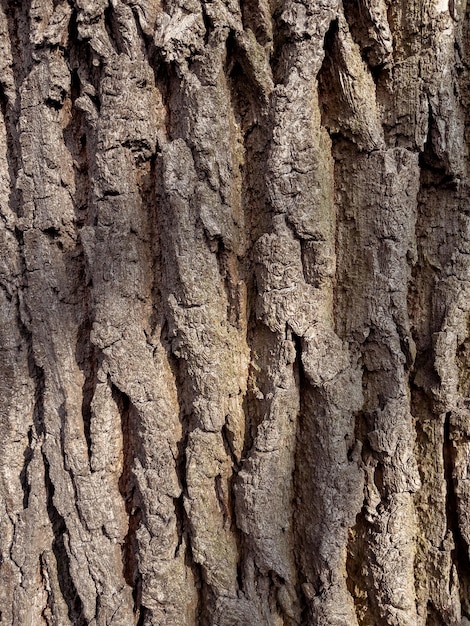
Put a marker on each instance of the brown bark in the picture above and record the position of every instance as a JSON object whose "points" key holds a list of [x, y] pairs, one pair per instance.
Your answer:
{"points": [[234, 314]]}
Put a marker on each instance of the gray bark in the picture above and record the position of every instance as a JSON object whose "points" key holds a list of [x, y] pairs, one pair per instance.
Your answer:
{"points": [[234, 313]]}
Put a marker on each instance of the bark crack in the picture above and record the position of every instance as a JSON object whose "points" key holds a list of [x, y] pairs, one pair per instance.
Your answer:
{"points": [[130, 492], [460, 553], [59, 529]]}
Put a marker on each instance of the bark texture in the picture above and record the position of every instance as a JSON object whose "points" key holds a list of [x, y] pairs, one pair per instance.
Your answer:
{"points": [[234, 313]]}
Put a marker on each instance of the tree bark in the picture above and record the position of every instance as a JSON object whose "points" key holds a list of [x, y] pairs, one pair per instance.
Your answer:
{"points": [[234, 313]]}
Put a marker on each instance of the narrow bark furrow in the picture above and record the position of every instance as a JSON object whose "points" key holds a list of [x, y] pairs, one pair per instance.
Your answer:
{"points": [[59, 530]]}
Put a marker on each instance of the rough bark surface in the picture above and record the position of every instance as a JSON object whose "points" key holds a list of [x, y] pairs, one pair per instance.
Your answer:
{"points": [[234, 312]]}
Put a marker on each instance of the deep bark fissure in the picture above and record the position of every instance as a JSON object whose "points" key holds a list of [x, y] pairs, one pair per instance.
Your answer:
{"points": [[170, 84], [460, 554], [207, 23], [357, 580], [302, 461], [282, 46], [13, 149], [88, 361], [24, 479], [37, 375], [112, 28], [182, 382], [426, 319], [130, 493], [59, 529], [17, 15]]}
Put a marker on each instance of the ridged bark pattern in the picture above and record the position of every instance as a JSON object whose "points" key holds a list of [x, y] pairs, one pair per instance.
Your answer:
{"points": [[234, 313]]}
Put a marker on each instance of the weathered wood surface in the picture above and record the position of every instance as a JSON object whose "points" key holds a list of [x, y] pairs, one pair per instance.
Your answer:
{"points": [[234, 313]]}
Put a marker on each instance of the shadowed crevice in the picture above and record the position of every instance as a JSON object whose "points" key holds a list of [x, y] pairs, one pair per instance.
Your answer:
{"points": [[357, 580], [36, 431], [256, 19], [19, 28], [112, 28], [59, 529], [129, 489], [185, 395], [460, 553], [304, 511], [24, 478], [13, 152], [87, 358], [370, 30]]}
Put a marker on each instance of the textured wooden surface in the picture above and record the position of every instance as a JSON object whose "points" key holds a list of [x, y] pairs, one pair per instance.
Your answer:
{"points": [[234, 313]]}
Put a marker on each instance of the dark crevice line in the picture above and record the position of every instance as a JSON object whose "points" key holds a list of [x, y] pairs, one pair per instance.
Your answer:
{"points": [[256, 405], [249, 102], [18, 23], [219, 492], [130, 492], [362, 29], [329, 88], [45, 575], [251, 117], [249, 114], [13, 150], [357, 581], [112, 28], [437, 179], [460, 553], [184, 538], [337, 142], [88, 392], [87, 358], [301, 481], [207, 23], [162, 72], [62, 415], [282, 47], [228, 269], [184, 396], [38, 376], [77, 139], [19, 28], [358, 555], [168, 84], [59, 529], [200, 584], [425, 320], [434, 618], [3, 102], [142, 613], [435, 172], [24, 478], [148, 189], [250, 404], [36, 372], [227, 439], [180, 514], [81, 63], [231, 511]]}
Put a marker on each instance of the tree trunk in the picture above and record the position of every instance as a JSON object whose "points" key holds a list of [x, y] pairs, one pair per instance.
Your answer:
{"points": [[234, 315]]}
